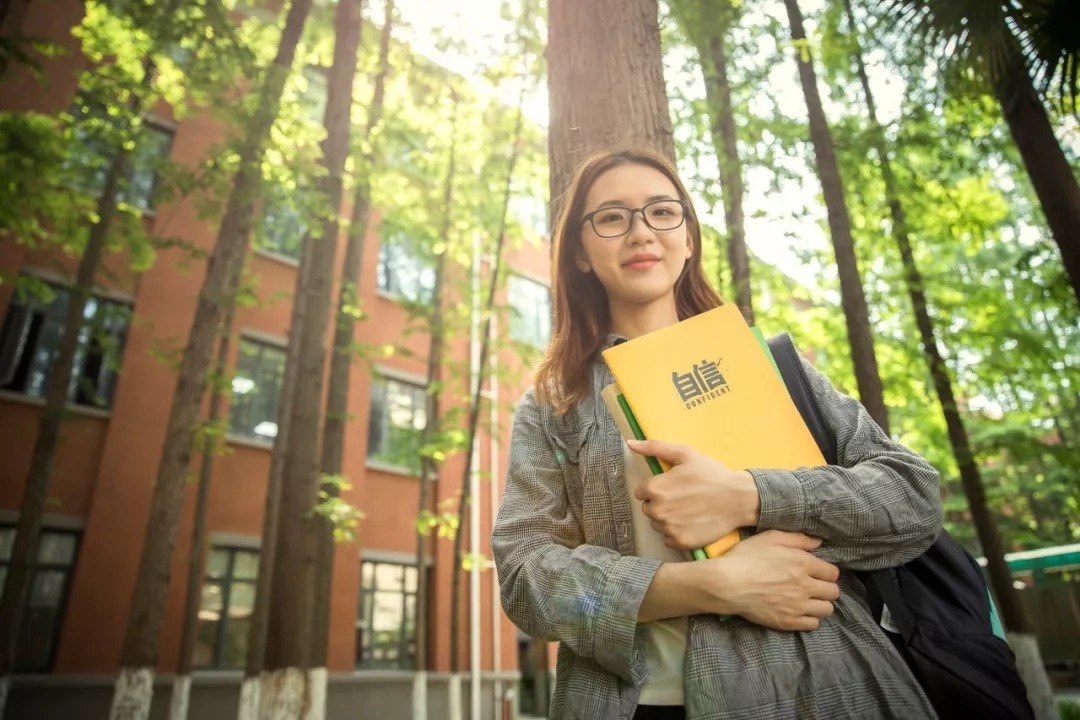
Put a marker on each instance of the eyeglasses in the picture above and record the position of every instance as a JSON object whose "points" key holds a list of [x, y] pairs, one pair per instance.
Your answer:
{"points": [[660, 215]]}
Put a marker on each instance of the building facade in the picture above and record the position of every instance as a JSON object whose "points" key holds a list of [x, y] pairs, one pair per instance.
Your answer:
{"points": [[120, 396]]}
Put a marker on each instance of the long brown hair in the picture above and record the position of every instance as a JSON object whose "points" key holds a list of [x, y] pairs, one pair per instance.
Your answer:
{"points": [[581, 314]]}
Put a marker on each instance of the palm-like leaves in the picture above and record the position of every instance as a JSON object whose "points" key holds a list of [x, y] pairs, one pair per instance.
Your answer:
{"points": [[987, 33], [1050, 35]]}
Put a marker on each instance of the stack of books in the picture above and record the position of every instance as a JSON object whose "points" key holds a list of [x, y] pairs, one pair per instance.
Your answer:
{"points": [[709, 382]]}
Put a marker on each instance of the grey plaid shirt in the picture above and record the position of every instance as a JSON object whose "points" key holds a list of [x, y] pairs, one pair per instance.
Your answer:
{"points": [[564, 550]]}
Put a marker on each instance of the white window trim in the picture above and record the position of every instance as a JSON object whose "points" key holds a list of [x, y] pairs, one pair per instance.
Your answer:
{"points": [[285, 260], [249, 442], [266, 338], [235, 541]]}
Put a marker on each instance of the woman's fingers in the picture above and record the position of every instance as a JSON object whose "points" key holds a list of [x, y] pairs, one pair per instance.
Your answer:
{"points": [[821, 590]]}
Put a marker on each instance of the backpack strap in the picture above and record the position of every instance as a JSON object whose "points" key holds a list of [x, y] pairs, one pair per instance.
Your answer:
{"points": [[789, 363], [882, 586]]}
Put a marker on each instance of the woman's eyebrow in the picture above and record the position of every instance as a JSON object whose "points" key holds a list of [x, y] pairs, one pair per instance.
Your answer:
{"points": [[622, 203]]}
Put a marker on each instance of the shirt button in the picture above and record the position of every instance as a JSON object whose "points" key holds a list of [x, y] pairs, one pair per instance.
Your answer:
{"points": [[622, 530]]}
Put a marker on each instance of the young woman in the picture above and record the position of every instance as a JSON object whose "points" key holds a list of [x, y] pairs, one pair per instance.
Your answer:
{"points": [[589, 555]]}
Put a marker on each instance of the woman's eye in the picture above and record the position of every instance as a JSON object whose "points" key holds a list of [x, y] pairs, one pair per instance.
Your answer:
{"points": [[611, 217]]}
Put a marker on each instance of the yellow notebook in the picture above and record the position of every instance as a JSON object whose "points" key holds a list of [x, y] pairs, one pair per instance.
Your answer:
{"points": [[707, 382]]}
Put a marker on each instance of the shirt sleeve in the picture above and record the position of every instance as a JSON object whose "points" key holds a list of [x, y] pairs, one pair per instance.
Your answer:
{"points": [[879, 506], [553, 585]]}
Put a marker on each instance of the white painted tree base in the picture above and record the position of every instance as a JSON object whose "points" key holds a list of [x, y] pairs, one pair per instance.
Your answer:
{"points": [[249, 699], [419, 695], [134, 691], [1033, 673], [181, 696], [455, 696], [319, 680], [5, 683], [292, 694]]}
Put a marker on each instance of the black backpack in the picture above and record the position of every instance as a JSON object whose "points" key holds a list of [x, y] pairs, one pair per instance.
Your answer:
{"points": [[938, 602]]}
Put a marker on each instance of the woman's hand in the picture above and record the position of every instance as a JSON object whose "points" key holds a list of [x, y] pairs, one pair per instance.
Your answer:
{"points": [[699, 500], [772, 579]]}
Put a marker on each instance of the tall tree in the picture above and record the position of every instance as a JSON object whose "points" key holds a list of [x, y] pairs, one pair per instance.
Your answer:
{"points": [[476, 400], [852, 296], [251, 685], [1012, 610], [605, 83], [429, 467], [341, 360], [134, 685], [181, 690], [28, 528], [979, 34], [296, 687], [707, 25]]}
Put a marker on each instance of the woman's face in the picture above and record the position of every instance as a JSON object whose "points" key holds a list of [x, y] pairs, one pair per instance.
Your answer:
{"points": [[638, 266]]}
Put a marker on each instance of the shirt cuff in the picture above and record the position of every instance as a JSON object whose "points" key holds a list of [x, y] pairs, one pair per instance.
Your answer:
{"points": [[618, 644], [783, 504]]}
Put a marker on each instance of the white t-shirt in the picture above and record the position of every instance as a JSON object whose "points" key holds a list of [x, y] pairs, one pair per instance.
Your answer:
{"points": [[665, 639]]}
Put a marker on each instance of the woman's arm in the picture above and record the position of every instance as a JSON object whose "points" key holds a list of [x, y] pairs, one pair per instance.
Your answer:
{"points": [[553, 585], [878, 506]]}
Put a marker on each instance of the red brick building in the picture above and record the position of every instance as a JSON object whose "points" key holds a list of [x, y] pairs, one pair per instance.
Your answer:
{"points": [[112, 439]]}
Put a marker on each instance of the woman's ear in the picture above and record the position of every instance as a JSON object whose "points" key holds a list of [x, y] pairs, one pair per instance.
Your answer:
{"points": [[582, 262]]}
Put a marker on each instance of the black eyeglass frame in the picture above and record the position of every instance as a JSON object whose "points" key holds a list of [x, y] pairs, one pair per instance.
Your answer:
{"points": [[630, 224]]}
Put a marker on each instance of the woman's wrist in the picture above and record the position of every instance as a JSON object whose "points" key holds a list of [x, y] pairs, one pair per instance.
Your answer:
{"points": [[751, 500]]}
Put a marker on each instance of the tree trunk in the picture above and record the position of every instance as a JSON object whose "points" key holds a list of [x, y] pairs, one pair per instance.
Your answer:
{"points": [[605, 83], [28, 528], [337, 387], [1012, 610], [131, 700], [731, 179], [474, 405], [1055, 184], [181, 691], [711, 41], [429, 469], [852, 298], [289, 642], [251, 686]]}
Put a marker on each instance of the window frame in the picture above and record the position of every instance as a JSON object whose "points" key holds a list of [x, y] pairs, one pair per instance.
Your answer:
{"points": [[56, 631], [382, 376], [89, 176], [364, 660], [391, 237], [264, 343], [23, 360], [516, 313], [226, 583]]}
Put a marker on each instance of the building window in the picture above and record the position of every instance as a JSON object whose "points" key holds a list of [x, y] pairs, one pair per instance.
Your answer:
{"points": [[397, 421], [281, 227], [256, 386], [530, 311], [531, 212], [31, 335], [44, 609], [95, 142], [404, 270], [386, 622], [228, 599]]}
